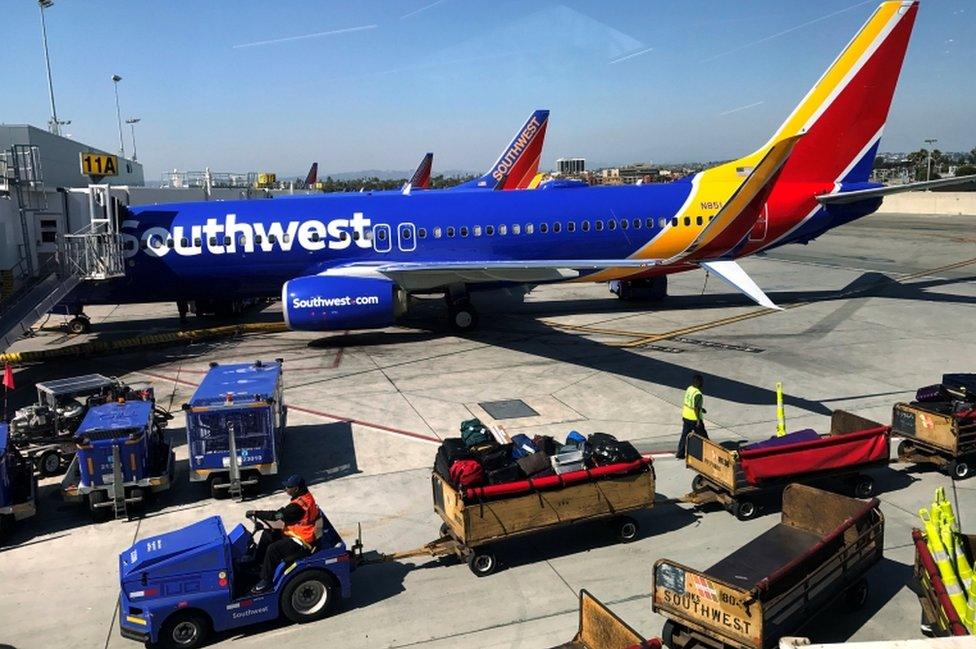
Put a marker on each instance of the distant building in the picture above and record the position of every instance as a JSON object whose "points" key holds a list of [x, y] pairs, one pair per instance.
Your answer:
{"points": [[571, 166]]}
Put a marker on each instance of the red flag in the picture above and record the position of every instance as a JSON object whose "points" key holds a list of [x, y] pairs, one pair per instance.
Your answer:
{"points": [[8, 377]]}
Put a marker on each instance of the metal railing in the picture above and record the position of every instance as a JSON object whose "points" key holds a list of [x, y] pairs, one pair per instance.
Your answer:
{"points": [[94, 255]]}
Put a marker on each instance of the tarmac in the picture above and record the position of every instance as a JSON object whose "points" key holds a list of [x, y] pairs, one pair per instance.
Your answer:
{"points": [[873, 311]]}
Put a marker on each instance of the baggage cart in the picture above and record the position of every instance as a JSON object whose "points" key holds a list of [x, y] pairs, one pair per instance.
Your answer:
{"points": [[600, 628], [939, 616], [471, 526], [723, 474], [235, 425], [122, 457], [768, 588], [935, 433], [18, 486]]}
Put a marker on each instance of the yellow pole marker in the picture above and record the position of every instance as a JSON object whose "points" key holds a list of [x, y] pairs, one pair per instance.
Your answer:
{"points": [[780, 412], [963, 567], [946, 571], [970, 619]]}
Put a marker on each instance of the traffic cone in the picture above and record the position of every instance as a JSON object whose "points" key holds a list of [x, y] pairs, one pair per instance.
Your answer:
{"points": [[970, 619], [954, 541]]}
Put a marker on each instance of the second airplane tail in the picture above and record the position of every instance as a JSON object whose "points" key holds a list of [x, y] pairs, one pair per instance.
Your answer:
{"points": [[518, 164]]}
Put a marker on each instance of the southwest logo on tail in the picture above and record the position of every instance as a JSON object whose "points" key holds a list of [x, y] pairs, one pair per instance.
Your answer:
{"points": [[351, 261]]}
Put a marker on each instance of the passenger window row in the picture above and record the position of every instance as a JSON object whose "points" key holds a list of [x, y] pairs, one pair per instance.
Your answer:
{"points": [[544, 228]]}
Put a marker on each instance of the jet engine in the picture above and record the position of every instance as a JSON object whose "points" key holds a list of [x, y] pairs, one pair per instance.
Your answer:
{"points": [[330, 303]]}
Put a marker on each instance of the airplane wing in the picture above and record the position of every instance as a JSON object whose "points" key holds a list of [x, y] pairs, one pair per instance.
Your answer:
{"points": [[421, 276], [862, 194]]}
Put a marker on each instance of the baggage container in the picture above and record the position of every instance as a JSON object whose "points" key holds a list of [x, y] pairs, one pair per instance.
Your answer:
{"points": [[600, 628], [473, 523], [768, 588], [936, 433], [739, 478], [939, 616]]}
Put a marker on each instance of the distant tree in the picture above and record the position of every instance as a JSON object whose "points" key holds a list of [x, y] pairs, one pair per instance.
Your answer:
{"points": [[972, 155], [966, 170]]}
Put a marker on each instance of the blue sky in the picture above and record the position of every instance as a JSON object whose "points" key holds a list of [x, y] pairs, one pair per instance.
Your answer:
{"points": [[258, 85]]}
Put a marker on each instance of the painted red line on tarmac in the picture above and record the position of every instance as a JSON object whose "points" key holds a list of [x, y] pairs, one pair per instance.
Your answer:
{"points": [[318, 413], [338, 358]]}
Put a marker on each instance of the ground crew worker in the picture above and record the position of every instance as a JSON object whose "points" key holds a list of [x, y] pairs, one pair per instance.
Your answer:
{"points": [[691, 414], [294, 531]]}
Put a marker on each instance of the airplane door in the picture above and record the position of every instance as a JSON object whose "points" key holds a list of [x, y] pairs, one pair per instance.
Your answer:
{"points": [[381, 237], [407, 237], [758, 232]]}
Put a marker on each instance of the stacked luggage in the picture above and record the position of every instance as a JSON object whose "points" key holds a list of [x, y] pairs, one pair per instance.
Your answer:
{"points": [[956, 391], [478, 458]]}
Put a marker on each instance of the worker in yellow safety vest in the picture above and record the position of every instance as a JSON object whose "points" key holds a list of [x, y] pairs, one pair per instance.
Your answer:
{"points": [[691, 414]]}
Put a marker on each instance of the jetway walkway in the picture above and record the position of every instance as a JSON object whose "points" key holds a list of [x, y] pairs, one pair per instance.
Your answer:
{"points": [[94, 253]]}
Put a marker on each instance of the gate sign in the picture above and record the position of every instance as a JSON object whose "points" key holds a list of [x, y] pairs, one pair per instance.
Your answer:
{"points": [[99, 164]]}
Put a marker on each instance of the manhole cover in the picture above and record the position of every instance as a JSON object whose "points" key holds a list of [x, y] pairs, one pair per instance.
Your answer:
{"points": [[508, 409]]}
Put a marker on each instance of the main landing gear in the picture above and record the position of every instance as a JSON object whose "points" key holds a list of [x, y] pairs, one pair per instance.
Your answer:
{"points": [[80, 324], [654, 289], [461, 313]]}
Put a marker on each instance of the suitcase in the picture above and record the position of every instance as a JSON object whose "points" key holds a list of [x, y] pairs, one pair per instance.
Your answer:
{"points": [[567, 460], [575, 438], [467, 473], [545, 443], [930, 393], [455, 449], [510, 473], [476, 436], [496, 457], [522, 446], [961, 386], [534, 464]]}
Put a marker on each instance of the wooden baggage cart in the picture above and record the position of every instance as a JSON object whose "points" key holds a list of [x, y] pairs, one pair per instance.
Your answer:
{"points": [[771, 586], [939, 616], [470, 527], [600, 628], [945, 439], [721, 477]]}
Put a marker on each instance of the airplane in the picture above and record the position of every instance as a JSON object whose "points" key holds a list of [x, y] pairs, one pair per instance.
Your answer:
{"points": [[352, 261], [313, 175]]}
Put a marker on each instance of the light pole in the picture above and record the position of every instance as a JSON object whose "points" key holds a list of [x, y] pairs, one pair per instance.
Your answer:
{"points": [[53, 124], [132, 121], [928, 163], [118, 113]]}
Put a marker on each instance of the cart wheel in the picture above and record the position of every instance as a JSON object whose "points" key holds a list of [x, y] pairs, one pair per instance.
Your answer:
{"points": [[216, 492], [864, 487], [627, 529], [310, 596], [98, 514], [856, 595], [698, 483], [183, 631], [49, 463], [482, 562], [905, 447], [667, 634], [445, 529], [960, 469], [744, 509]]}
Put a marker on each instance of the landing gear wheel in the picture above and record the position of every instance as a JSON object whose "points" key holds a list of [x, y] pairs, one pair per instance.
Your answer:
{"points": [[79, 325], [217, 492], [308, 597], [627, 529], [744, 509], [463, 317], [856, 595], [864, 487], [698, 483], [49, 463], [183, 631], [960, 469], [482, 562], [98, 514]]}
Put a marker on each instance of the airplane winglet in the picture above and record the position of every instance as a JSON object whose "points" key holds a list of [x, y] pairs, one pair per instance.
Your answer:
{"points": [[732, 274]]}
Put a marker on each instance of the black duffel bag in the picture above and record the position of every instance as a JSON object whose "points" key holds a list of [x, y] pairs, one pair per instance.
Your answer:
{"points": [[606, 449], [495, 457]]}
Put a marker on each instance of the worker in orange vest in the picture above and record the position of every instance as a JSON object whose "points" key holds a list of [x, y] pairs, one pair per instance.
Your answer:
{"points": [[291, 532]]}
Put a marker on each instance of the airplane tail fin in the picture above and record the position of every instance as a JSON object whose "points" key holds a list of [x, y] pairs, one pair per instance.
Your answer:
{"points": [[421, 177], [313, 175], [844, 113], [518, 164]]}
